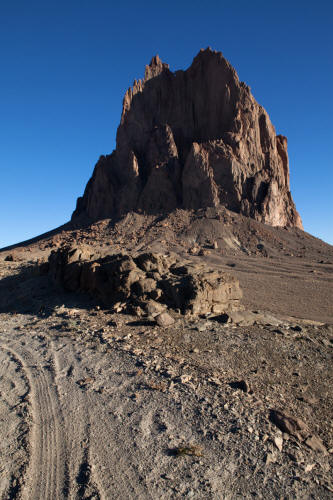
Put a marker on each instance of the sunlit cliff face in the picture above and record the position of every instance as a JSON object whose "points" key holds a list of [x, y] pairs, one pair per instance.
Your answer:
{"points": [[192, 139]]}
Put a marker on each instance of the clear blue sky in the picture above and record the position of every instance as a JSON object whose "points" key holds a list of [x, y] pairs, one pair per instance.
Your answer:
{"points": [[65, 66]]}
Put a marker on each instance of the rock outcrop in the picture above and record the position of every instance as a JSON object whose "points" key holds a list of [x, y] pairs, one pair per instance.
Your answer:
{"points": [[145, 280], [192, 139]]}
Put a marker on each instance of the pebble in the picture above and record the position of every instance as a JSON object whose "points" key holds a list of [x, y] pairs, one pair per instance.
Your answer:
{"points": [[278, 441], [316, 444], [164, 319], [270, 458], [185, 378]]}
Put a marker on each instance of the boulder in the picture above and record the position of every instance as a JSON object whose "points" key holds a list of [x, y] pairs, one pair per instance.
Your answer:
{"points": [[151, 281], [199, 291]]}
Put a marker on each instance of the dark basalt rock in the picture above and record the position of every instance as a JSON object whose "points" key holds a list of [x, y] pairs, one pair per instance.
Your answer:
{"points": [[137, 281]]}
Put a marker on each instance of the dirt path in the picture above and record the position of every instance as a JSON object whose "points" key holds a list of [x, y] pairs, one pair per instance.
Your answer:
{"points": [[91, 415], [60, 459], [14, 391], [46, 466]]}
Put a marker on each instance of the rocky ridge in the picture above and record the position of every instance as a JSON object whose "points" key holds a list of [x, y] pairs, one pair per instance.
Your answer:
{"points": [[146, 283], [192, 139]]}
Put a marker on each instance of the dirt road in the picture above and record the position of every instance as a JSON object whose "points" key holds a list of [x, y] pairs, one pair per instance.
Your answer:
{"points": [[91, 415]]}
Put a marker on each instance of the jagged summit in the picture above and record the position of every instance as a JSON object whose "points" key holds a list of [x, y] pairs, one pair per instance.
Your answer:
{"points": [[191, 139], [155, 68]]}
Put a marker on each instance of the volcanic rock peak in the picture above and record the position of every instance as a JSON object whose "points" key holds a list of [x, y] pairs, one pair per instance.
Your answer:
{"points": [[193, 139], [155, 67]]}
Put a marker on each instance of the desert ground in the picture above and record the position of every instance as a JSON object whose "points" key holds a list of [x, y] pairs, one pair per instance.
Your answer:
{"points": [[99, 404]]}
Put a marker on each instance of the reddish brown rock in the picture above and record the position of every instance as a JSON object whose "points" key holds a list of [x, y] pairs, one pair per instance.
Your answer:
{"points": [[192, 139], [297, 428], [290, 424]]}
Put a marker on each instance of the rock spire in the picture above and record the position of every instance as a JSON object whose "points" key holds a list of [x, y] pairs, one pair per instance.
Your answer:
{"points": [[192, 139]]}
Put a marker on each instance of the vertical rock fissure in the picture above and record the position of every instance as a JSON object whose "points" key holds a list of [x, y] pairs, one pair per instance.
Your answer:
{"points": [[193, 138]]}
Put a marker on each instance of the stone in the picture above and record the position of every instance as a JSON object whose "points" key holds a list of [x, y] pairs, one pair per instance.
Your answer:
{"points": [[164, 319], [289, 424], [64, 265], [201, 291], [316, 444], [183, 379], [192, 139], [247, 318], [278, 441], [297, 428], [204, 327], [137, 311], [154, 263], [243, 318], [154, 308], [270, 458], [144, 286], [309, 467], [117, 280]]}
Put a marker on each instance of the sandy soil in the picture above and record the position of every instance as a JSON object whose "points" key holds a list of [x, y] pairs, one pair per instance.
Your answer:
{"points": [[95, 404], [102, 414]]}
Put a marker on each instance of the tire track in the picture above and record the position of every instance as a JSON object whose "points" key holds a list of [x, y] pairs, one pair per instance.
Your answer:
{"points": [[87, 489], [98, 442], [17, 412], [81, 483], [45, 478]]}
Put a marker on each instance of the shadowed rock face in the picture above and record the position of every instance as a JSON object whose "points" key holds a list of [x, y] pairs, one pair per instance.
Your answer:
{"points": [[193, 139], [140, 280]]}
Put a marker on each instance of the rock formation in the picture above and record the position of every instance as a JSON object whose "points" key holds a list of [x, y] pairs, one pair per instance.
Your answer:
{"points": [[191, 139], [147, 281]]}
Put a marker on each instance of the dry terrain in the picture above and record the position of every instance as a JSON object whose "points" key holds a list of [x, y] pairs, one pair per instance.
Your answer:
{"points": [[98, 404]]}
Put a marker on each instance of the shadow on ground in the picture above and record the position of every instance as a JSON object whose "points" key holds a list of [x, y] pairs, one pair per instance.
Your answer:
{"points": [[28, 292]]}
